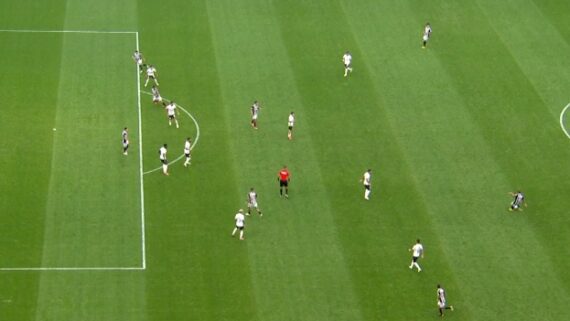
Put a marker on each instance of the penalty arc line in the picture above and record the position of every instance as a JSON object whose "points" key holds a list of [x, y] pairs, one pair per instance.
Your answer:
{"points": [[562, 120], [195, 140]]}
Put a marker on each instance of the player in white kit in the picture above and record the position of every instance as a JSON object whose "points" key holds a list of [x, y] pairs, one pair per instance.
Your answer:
{"points": [[290, 124], [156, 98], [187, 149], [427, 34], [162, 155], [151, 73], [366, 181], [240, 224], [171, 112], [417, 251], [347, 61], [139, 60], [252, 202]]}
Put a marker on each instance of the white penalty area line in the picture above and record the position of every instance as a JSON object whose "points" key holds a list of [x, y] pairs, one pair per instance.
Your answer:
{"points": [[195, 139], [137, 268], [562, 120], [67, 31]]}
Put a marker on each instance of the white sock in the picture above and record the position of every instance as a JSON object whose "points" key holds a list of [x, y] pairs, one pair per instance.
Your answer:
{"points": [[417, 266], [165, 169], [234, 232], [176, 121], [241, 234], [146, 82], [367, 194]]}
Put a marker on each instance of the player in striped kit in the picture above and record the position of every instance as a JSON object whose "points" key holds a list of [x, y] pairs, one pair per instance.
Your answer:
{"points": [[441, 301], [187, 149], [518, 201], [156, 98], [125, 136], [252, 202], [254, 114]]}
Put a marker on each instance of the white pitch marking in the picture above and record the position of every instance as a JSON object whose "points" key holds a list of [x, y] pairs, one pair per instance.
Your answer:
{"points": [[66, 31], [138, 268], [134, 268], [562, 121], [195, 140], [143, 238]]}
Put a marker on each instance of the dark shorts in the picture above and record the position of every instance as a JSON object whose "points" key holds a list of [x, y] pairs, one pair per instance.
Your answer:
{"points": [[415, 258], [367, 187], [283, 183], [290, 127], [164, 161], [240, 227], [187, 155], [171, 117]]}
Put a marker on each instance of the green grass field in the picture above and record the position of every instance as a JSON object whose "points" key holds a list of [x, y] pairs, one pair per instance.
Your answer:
{"points": [[448, 131]]}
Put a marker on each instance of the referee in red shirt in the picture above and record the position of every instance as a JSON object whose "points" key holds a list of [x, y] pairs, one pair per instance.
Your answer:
{"points": [[283, 179]]}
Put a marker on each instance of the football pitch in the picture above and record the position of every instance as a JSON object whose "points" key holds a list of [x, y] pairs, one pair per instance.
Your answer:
{"points": [[448, 131]]}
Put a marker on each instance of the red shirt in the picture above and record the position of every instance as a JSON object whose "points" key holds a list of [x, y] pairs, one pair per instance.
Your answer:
{"points": [[284, 174]]}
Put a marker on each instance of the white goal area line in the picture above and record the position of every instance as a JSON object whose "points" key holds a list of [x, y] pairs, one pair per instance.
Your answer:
{"points": [[142, 216]]}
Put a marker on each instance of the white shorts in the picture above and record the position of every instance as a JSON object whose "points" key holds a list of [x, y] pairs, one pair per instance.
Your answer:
{"points": [[426, 37], [252, 204], [156, 99], [254, 117], [441, 304]]}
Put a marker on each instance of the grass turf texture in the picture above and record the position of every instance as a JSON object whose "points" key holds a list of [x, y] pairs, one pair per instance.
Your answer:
{"points": [[447, 131]]}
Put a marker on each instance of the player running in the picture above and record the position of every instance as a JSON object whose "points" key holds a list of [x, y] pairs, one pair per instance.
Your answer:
{"points": [[366, 181], [254, 114], [240, 224], [162, 155], [347, 61], [151, 73], [171, 111], [284, 179], [417, 251], [252, 202], [290, 124], [139, 60], [187, 149], [517, 203], [441, 301], [156, 98], [427, 34], [125, 135]]}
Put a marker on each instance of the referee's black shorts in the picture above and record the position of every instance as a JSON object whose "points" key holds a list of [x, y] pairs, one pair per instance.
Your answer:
{"points": [[283, 183]]}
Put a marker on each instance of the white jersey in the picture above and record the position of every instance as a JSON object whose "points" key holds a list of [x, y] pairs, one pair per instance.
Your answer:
{"points": [[347, 59], [367, 178], [163, 153], [441, 296], [137, 56], [291, 121], [427, 32], [150, 71], [125, 136], [252, 198], [187, 146], [254, 110], [171, 109], [240, 219], [417, 250]]}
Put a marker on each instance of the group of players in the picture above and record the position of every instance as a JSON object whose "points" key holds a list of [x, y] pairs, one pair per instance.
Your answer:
{"points": [[171, 110]]}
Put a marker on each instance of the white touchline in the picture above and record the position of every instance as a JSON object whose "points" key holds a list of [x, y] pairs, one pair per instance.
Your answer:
{"points": [[195, 139], [562, 120], [66, 31], [143, 241]]}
